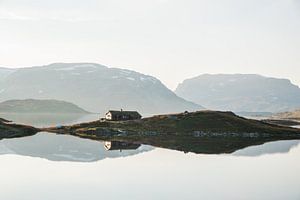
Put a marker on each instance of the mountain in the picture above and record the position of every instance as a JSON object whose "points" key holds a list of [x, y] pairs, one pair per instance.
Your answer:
{"points": [[39, 106], [241, 92], [93, 87]]}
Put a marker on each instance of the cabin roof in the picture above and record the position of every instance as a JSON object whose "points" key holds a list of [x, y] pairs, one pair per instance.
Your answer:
{"points": [[118, 112]]}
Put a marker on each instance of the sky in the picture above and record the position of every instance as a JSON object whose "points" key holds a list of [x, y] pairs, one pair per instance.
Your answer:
{"points": [[169, 39]]}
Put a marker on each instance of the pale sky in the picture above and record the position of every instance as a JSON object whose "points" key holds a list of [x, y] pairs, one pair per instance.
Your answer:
{"points": [[169, 39]]}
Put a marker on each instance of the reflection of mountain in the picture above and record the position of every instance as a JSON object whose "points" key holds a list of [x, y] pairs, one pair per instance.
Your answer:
{"points": [[268, 148], [63, 148]]}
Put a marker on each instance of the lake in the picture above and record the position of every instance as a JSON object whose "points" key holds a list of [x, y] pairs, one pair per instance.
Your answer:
{"points": [[54, 167]]}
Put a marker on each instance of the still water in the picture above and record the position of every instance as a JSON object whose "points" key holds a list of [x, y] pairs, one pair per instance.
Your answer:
{"points": [[57, 167]]}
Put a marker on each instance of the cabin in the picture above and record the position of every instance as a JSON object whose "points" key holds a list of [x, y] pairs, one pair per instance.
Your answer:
{"points": [[121, 115], [116, 145]]}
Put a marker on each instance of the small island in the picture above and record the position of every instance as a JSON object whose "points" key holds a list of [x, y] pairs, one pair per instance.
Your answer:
{"points": [[198, 132]]}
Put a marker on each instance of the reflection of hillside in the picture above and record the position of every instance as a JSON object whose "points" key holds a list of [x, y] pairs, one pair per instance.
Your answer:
{"points": [[63, 148], [69, 148], [268, 148], [44, 120]]}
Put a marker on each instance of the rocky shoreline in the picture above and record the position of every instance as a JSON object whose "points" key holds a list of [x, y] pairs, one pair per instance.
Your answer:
{"points": [[11, 130]]}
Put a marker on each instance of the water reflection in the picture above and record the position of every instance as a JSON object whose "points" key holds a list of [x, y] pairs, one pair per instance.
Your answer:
{"points": [[67, 148], [268, 148], [154, 174], [63, 147], [158, 174]]}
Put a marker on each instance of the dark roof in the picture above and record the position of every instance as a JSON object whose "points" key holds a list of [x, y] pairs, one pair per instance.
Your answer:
{"points": [[131, 113]]}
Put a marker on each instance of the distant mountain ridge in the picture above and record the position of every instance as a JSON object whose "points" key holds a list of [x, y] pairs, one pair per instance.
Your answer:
{"points": [[93, 87], [40, 106], [241, 92]]}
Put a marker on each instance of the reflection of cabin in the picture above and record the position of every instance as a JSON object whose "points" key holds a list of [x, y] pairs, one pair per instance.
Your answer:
{"points": [[116, 145], [122, 115]]}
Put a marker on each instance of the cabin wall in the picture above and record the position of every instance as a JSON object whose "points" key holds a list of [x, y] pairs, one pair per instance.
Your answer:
{"points": [[108, 116]]}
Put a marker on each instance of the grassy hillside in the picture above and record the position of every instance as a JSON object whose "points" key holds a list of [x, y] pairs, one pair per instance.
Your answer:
{"points": [[200, 132], [39, 106], [205, 121]]}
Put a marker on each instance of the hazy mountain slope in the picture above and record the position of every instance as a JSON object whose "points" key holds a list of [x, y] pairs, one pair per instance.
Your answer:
{"points": [[39, 106], [93, 87], [241, 92]]}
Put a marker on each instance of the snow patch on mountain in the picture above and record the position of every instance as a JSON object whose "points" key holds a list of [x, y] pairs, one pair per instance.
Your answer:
{"points": [[74, 67]]}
